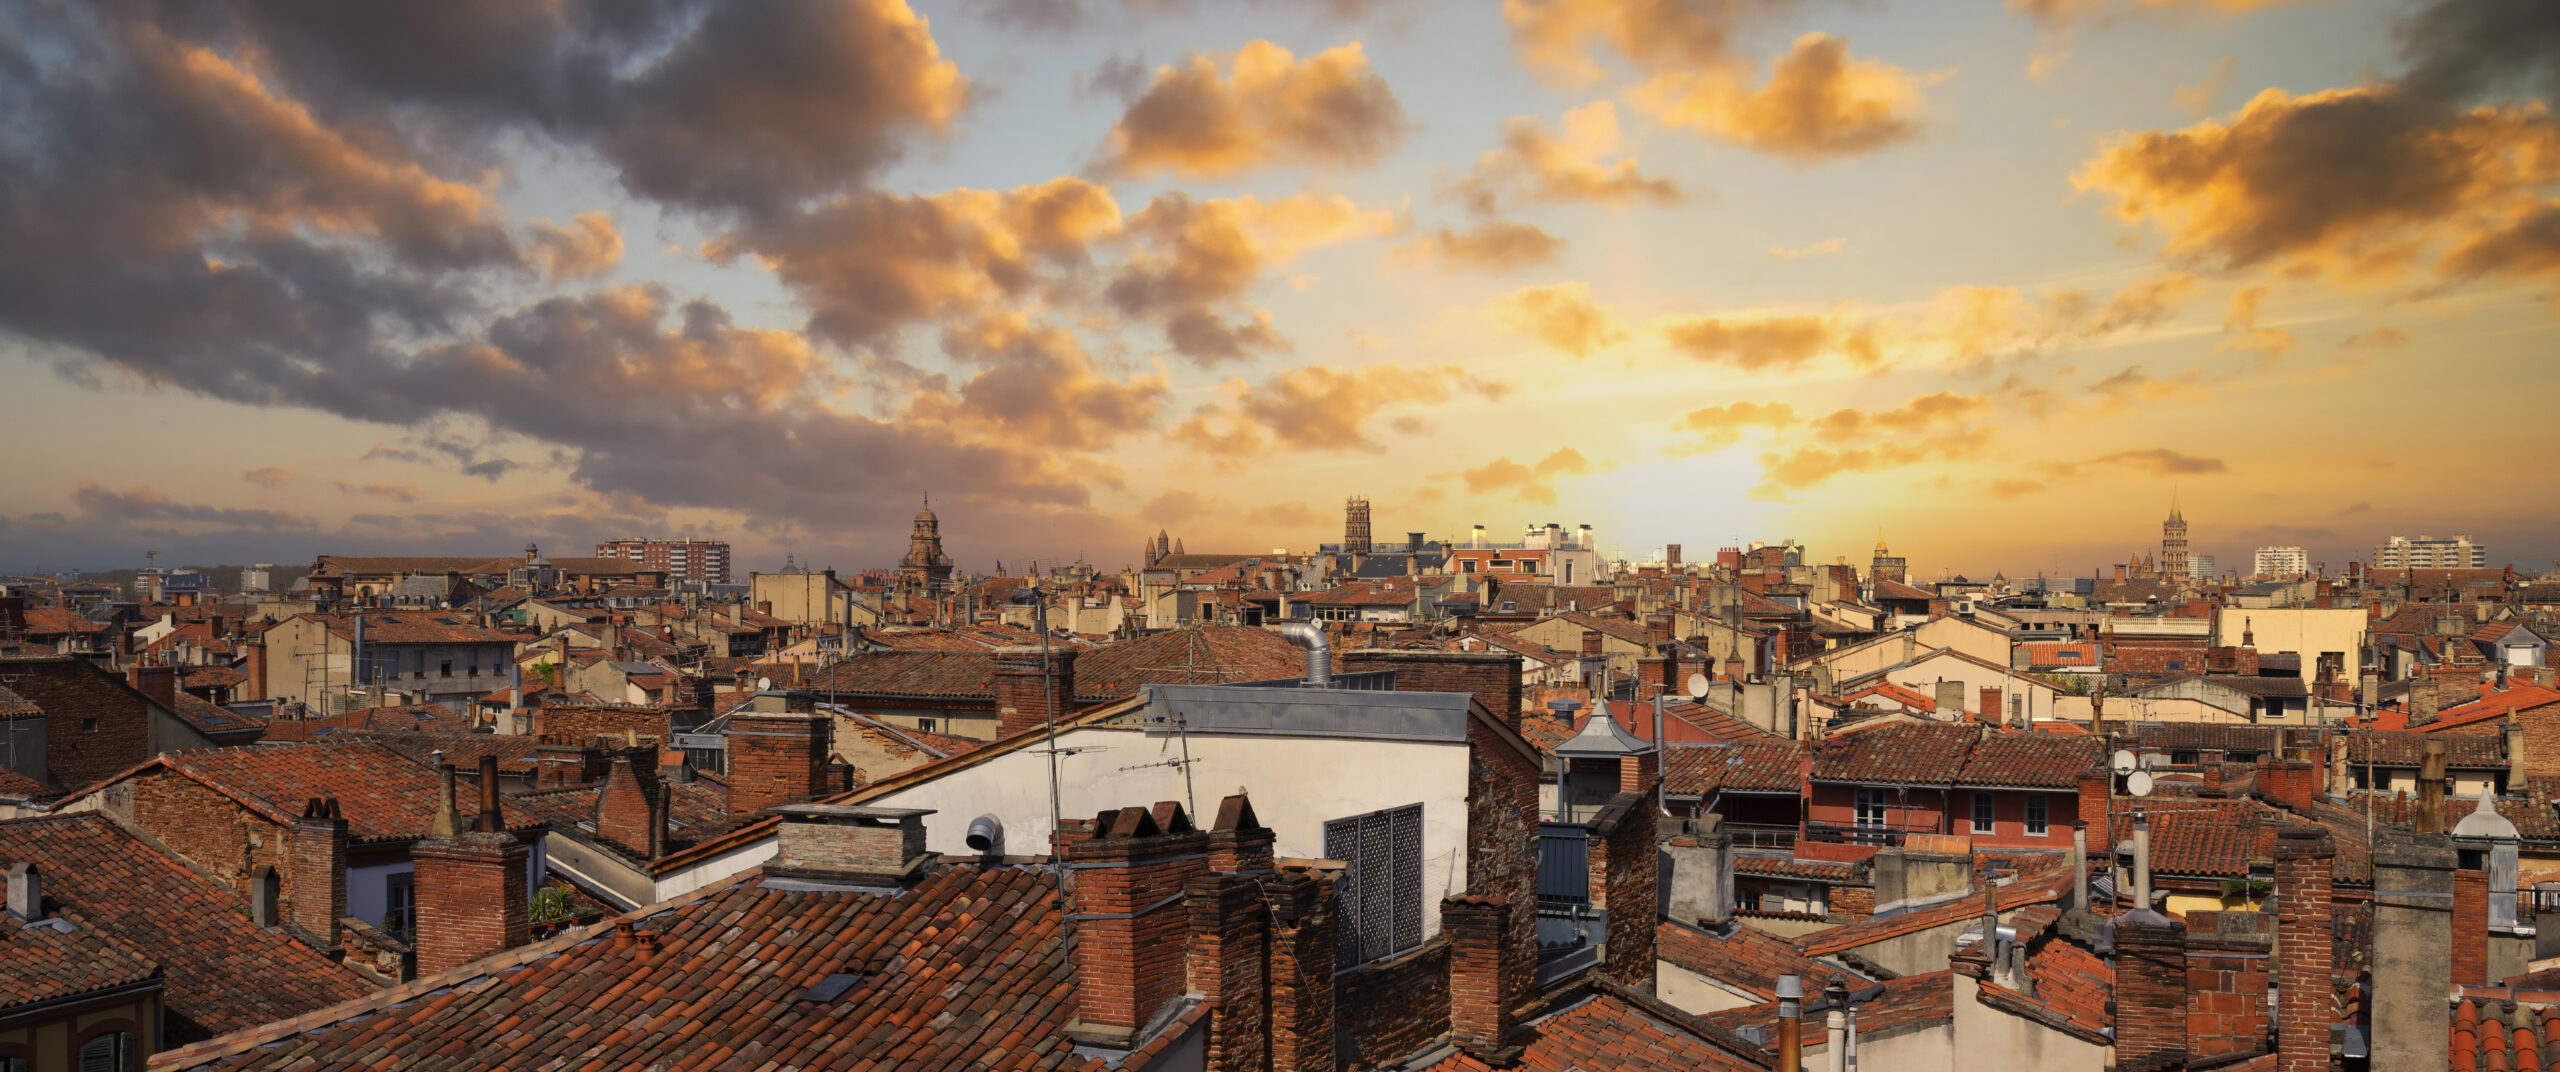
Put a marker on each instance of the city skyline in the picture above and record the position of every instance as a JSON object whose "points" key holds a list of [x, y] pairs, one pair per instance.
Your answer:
{"points": [[1998, 283]]}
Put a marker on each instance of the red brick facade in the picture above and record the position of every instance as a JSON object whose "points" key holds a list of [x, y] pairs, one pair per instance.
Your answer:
{"points": [[1303, 932], [2470, 927], [2227, 982], [1476, 928], [2151, 993], [1130, 934], [2306, 996], [471, 898], [1493, 677], [586, 723], [94, 724], [776, 757], [1629, 846], [1389, 1010], [222, 839], [628, 809], [1230, 938]]}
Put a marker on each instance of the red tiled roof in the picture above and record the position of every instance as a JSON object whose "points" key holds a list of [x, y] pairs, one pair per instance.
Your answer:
{"points": [[1911, 1001], [1607, 1032], [1719, 725], [2490, 1032], [2072, 983], [1928, 753], [415, 627], [1740, 956], [386, 796], [404, 718], [2030, 760], [2049, 654], [1833, 871], [929, 673], [1204, 655], [2492, 706], [46, 620], [1909, 699], [132, 906], [2205, 837], [2043, 887], [1766, 766], [14, 784], [965, 971]]}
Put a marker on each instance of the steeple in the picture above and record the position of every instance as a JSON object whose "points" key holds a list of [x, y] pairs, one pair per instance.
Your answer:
{"points": [[2174, 515]]}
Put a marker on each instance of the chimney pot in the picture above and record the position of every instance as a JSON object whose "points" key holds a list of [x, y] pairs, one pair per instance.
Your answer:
{"points": [[26, 891]]}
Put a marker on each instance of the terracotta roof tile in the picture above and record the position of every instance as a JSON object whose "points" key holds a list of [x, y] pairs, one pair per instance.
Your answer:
{"points": [[386, 796], [1910, 754], [132, 906], [2031, 760], [1910, 1001], [1739, 956], [965, 971], [1768, 766], [1607, 1033]]}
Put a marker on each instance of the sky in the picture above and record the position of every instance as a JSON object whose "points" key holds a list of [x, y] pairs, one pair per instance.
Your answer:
{"points": [[1995, 283]]}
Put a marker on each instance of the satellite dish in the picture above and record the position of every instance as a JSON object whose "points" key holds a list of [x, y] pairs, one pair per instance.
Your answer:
{"points": [[764, 684], [1697, 686], [2138, 783], [2123, 762]]}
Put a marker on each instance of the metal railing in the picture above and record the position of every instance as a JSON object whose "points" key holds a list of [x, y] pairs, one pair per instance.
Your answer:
{"points": [[1864, 833], [1762, 835]]}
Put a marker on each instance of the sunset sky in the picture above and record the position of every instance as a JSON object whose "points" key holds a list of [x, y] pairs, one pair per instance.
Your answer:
{"points": [[282, 279]]}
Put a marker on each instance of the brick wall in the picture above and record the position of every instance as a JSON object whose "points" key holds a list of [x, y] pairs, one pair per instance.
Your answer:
{"points": [[2125, 658], [2151, 993], [2470, 927], [627, 807], [1493, 676], [317, 892], [1502, 847], [2304, 991], [2227, 982], [222, 839], [1228, 948], [1632, 871], [1390, 1009], [1130, 948], [776, 757], [1853, 902], [1303, 932], [471, 898], [95, 725], [582, 723], [1476, 928], [1021, 705]]}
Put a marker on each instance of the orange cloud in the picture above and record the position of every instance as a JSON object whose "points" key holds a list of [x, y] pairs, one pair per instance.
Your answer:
{"points": [[1534, 165], [1191, 259], [2241, 331], [2353, 184], [1754, 344], [2377, 337], [406, 493], [1944, 407], [1805, 467], [1526, 483], [589, 246], [1265, 108], [2011, 489], [1562, 315], [1495, 246], [1039, 386], [1817, 104], [1315, 407], [1718, 427], [2158, 461], [1556, 37]]}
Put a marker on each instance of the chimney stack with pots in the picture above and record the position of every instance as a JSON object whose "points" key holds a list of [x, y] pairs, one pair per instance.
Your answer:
{"points": [[320, 870], [776, 757], [472, 887], [1027, 696]]}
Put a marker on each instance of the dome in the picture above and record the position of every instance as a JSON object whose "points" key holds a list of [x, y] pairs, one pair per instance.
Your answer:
{"points": [[926, 514], [2484, 820]]}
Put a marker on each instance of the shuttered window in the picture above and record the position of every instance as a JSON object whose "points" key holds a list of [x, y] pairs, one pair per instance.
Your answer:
{"points": [[1381, 889]]}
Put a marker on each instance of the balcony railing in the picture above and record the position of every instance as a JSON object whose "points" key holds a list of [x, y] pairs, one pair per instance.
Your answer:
{"points": [[1762, 835], [1865, 833]]}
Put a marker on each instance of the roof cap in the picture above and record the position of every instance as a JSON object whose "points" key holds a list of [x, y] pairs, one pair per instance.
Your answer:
{"points": [[1601, 738]]}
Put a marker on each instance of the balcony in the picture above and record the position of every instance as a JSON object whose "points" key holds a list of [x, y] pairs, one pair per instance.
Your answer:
{"points": [[1762, 835]]}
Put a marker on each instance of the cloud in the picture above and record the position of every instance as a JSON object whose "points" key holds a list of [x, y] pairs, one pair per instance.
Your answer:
{"points": [[1944, 407], [1190, 260], [2132, 385], [2358, 185], [1293, 514], [1175, 508], [95, 504], [1824, 248], [1265, 108], [1556, 38], [2241, 331], [1806, 467], [404, 493], [2377, 337], [2005, 489], [1717, 427], [272, 476], [1755, 344], [1533, 165], [1038, 386], [1818, 103], [2157, 461], [1495, 246], [1561, 315], [589, 246], [1526, 483], [1318, 408], [2197, 100]]}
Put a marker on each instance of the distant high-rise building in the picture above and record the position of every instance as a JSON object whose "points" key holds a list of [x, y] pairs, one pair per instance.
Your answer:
{"points": [[2427, 552], [2281, 562], [686, 559], [2200, 567], [1355, 525], [259, 579], [2173, 542]]}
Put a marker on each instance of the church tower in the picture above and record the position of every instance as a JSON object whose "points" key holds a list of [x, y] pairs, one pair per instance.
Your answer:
{"points": [[1887, 566], [2173, 543], [925, 570]]}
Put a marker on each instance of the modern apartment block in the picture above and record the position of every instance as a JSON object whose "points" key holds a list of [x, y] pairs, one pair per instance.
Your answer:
{"points": [[700, 560], [2427, 552], [2281, 562]]}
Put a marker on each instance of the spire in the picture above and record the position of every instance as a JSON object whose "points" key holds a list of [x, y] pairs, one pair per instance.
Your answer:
{"points": [[2173, 506]]}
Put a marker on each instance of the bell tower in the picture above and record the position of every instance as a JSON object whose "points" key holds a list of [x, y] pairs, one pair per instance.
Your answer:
{"points": [[2173, 543]]}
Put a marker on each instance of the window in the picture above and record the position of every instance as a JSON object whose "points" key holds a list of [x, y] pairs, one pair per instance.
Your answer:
{"points": [[1870, 807], [925, 724], [400, 891], [2177, 664], [1381, 890], [110, 1052], [448, 668], [2036, 818], [88, 725], [1982, 814]]}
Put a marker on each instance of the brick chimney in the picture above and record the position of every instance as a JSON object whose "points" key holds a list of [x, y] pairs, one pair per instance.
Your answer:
{"points": [[1025, 698], [2096, 784], [1238, 843], [255, 669], [1229, 944], [630, 811], [1992, 711], [158, 682], [560, 766], [1627, 875], [2227, 982], [1130, 926], [776, 757], [1304, 931], [2470, 926], [1479, 1013], [472, 898], [320, 870], [2307, 999], [849, 844], [2151, 992], [2412, 967]]}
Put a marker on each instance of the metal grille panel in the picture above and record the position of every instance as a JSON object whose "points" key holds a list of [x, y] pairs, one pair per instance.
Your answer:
{"points": [[1380, 895]]}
